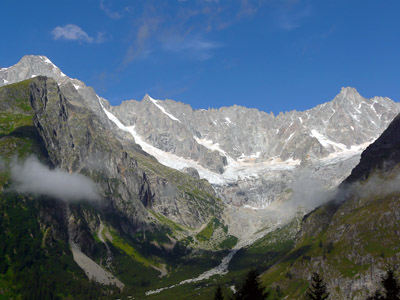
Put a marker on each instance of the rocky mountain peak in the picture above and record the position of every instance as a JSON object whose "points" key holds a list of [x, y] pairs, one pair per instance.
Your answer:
{"points": [[34, 60], [147, 97], [348, 91], [31, 66], [349, 95]]}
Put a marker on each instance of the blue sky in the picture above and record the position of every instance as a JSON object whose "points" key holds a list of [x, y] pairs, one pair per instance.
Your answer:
{"points": [[274, 55]]}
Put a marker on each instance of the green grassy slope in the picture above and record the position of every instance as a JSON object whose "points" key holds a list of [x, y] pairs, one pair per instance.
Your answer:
{"points": [[32, 264], [362, 234]]}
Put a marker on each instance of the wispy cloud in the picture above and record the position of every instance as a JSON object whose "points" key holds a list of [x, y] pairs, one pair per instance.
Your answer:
{"points": [[184, 29], [189, 28], [194, 47], [33, 177], [112, 13], [141, 47], [72, 32]]}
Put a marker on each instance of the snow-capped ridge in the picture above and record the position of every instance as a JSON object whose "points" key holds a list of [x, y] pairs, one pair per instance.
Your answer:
{"points": [[234, 169]]}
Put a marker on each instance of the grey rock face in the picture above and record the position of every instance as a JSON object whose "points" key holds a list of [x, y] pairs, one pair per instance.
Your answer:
{"points": [[77, 140], [255, 154], [170, 136]]}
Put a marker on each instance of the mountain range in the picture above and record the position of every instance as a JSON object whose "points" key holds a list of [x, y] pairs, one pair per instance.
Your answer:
{"points": [[152, 198]]}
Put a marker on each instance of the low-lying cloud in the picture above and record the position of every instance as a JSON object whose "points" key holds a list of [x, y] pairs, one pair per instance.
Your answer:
{"points": [[376, 186], [32, 177], [308, 192]]}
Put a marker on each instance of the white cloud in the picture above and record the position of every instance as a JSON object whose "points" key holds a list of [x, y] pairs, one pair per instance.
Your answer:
{"points": [[73, 32], [33, 177]]}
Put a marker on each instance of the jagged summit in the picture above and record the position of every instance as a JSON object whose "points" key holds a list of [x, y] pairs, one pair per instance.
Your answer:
{"points": [[31, 66], [349, 95], [35, 59], [348, 90], [146, 97]]}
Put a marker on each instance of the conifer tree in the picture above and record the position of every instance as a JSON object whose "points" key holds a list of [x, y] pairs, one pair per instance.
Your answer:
{"points": [[218, 294], [391, 288], [251, 288], [317, 290]]}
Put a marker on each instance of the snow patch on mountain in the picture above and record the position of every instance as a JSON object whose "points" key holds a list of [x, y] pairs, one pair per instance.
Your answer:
{"points": [[209, 144], [326, 142], [228, 121], [345, 154], [163, 110]]}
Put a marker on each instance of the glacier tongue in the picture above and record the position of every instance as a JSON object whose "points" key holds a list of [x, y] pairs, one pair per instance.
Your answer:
{"points": [[234, 170]]}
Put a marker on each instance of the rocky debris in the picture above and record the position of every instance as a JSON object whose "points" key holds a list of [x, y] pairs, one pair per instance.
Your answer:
{"points": [[93, 270]]}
